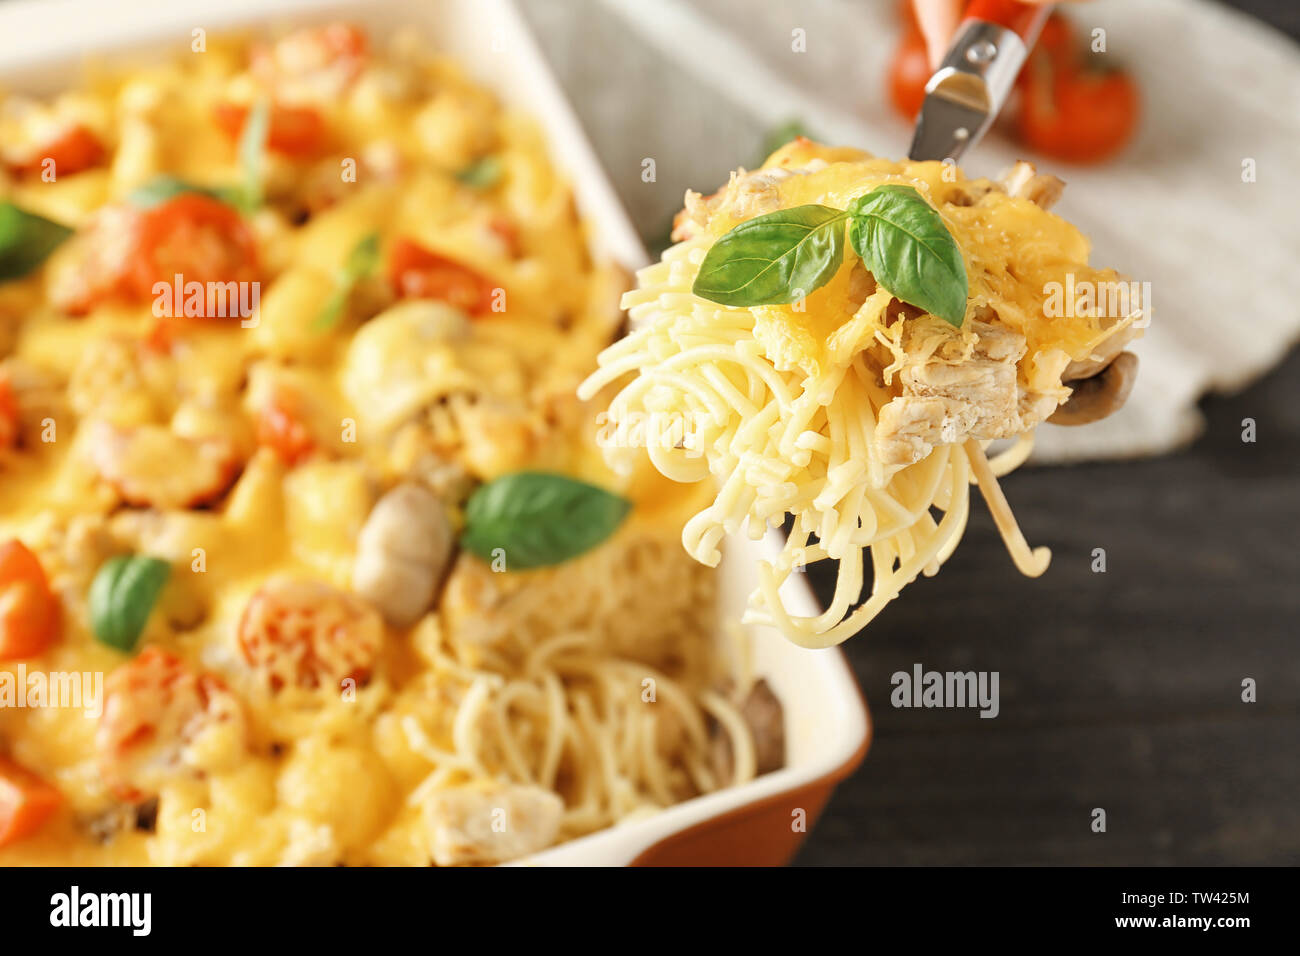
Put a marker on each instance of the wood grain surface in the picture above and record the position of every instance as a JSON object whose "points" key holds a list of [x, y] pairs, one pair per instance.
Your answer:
{"points": [[1119, 690]]}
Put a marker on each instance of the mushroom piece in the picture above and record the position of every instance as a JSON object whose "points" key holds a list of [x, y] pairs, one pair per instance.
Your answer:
{"points": [[403, 552], [765, 716], [1102, 394]]}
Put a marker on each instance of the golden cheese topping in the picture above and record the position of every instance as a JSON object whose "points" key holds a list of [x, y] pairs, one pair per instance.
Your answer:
{"points": [[251, 341], [1012, 247]]}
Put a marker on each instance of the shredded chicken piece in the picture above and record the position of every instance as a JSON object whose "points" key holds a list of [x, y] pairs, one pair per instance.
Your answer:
{"points": [[952, 391], [748, 194], [488, 826], [1023, 181]]}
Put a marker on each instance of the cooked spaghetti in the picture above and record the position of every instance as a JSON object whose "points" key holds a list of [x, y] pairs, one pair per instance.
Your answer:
{"points": [[862, 418]]}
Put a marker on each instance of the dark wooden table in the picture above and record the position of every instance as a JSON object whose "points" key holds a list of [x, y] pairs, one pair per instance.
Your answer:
{"points": [[1119, 690]]}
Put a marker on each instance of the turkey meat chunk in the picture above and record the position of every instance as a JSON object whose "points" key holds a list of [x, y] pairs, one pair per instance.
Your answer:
{"points": [[953, 391]]}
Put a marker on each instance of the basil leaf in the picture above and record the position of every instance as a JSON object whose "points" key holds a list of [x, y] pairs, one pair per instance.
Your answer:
{"points": [[361, 262], [537, 518], [903, 241], [158, 190], [774, 259], [26, 240], [122, 596], [482, 174], [252, 153]]}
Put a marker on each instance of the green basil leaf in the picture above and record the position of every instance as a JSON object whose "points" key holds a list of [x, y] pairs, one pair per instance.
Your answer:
{"points": [[122, 596], [252, 153], [332, 310], [26, 240], [903, 241], [361, 262], [537, 519], [774, 259], [159, 189], [482, 174]]}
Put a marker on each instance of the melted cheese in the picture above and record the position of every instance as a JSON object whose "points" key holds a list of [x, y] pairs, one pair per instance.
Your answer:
{"points": [[316, 780], [993, 233]]}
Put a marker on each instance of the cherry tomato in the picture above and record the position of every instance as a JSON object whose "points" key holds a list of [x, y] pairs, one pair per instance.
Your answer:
{"points": [[26, 802], [294, 131], [196, 237], [1078, 117], [906, 14], [29, 611], [1056, 41], [74, 150], [909, 71], [417, 273]]}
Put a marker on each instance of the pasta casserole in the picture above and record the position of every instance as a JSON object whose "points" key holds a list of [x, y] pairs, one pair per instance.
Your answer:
{"points": [[307, 555]]}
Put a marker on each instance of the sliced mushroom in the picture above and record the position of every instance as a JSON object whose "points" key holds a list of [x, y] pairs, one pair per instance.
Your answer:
{"points": [[402, 553], [1100, 395], [765, 717]]}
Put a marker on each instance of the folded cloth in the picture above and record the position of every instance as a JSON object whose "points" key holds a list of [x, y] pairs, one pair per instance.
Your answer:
{"points": [[675, 94]]}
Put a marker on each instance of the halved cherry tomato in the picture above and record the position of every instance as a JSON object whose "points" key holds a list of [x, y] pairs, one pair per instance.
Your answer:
{"points": [[73, 150], [8, 415], [417, 273], [1078, 117], [29, 612], [909, 71], [294, 130], [26, 802], [282, 428], [196, 237]]}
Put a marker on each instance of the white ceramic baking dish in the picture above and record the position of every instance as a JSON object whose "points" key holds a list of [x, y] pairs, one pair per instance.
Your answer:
{"points": [[43, 43]]}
